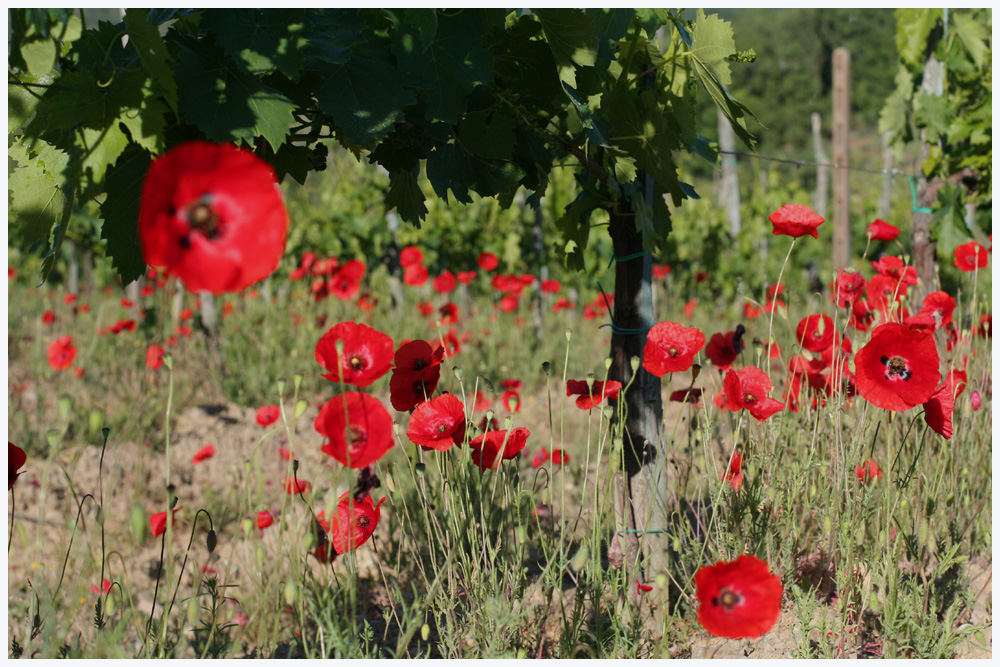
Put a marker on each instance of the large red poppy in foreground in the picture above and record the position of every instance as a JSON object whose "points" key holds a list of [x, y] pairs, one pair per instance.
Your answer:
{"points": [[796, 220], [670, 348], [898, 368], [212, 214], [351, 526], [438, 423], [738, 599]]}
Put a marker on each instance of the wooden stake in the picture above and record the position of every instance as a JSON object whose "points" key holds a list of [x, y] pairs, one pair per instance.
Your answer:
{"points": [[841, 180]]}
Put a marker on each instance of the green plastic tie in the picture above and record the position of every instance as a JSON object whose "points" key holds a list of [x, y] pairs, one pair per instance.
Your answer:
{"points": [[917, 209], [628, 258]]}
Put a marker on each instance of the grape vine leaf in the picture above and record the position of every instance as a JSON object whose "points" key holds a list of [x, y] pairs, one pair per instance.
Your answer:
{"points": [[120, 211], [152, 50], [406, 196], [573, 38], [36, 188]]}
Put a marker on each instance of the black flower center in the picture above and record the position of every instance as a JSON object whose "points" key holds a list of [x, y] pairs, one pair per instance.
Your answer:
{"points": [[203, 217], [357, 362], [355, 436], [363, 521], [442, 428], [896, 367], [728, 599], [749, 398]]}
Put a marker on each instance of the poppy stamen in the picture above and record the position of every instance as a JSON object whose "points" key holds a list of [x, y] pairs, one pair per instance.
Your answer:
{"points": [[203, 217], [357, 362], [727, 599], [896, 367]]}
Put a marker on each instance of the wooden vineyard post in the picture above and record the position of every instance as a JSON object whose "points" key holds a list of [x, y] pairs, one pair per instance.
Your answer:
{"points": [[841, 175], [924, 247], [821, 194], [730, 188]]}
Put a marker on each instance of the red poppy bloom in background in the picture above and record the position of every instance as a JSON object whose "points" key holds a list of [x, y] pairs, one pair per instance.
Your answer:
{"points": [[884, 292], [293, 486], [670, 348], [62, 352], [589, 397], [346, 282], [511, 401], [415, 374], [213, 215], [738, 599], [445, 282], [186, 314], [551, 286], [796, 220], [539, 459], [848, 287], [642, 588], [487, 261], [48, 317], [661, 271], [508, 284], [895, 268], [898, 368], [880, 230], [511, 383], [689, 308], [559, 457], [206, 452], [358, 429], [267, 415], [481, 404], [154, 357], [350, 527], [438, 423], [103, 589], [449, 313], [16, 459], [971, 256], [748, 388], [425, 308], [411, 255], [264, 519], [976, 401], [562, 304], [772, 301], [490, 447], [752, 311], [367, 354], [415, 275], [158, 521], [465, 277], [867, 471], [815, 332], [862, 316], [690, 395], [723, 348], [508, 303], [122, 325], [940, 306], [735, 475]]}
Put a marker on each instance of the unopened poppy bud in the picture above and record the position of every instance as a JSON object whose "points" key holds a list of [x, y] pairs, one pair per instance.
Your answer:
{"points": [[607, 363], [489, 416], [193, 611], [976, 400], [211, 541], [168, 361], [137, 522], [300, 407], [94, 420], [522, 654], [923, 531], [281, 386], [425, 631], [291, 592], [579, 559], [54, 437], [590, 382], [608, 412], [546, 367], [569, 334], [65, 407], [507, 423], [297, 381], [109, 605], [634, 363], [458, 373], [695, 371]]}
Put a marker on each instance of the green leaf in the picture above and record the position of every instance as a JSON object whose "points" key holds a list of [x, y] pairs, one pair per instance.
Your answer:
{"points": [[145, 39], [572, 36], [364, 96], [120, 211], [226, 103], [732, 109], [712, 43], [36, 189], [264, 40], [574, 225], [448, 168], [146, 125], [913, 25], [406, 197], [972, 33], [101, 149], [487, 133], [932, 112]]}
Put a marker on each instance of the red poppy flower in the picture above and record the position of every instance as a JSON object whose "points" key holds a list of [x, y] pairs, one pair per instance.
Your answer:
{"points": [[48, 317], [589, 397], [511, 383], [880, 230], [748, 388], [425, 308], [103, 589], [449, 313], [976, 401], [815, 332], [487, 261], [670, 348], [411, 255], [735, 475], [509, 303], [415, 374], [444, 283], [511, 401], [62, 352], [939, 408], [186, 314], [661, 271], [295, 486], [772, 301], [690, 395], [481, 404], [700, 276], [884, 292], [508, 284], [126, 303], [346, 282], [212, 214], [158, 521], [559, 457], [971, 256], [366, 354], [264, 519], [898, 368], [366, 302], [206, 452], [895, 268], [738, 599], [562, 304], [868, 471], [154, 357], [551, 286], [415, 275], [642, 588], [796, 220], [438, 423], [16, 459], [358, 428], [465, 277], [940, 306], [723, 348], [539, 459], [490, 447], [324, 267], [848, 287], [267, 415], [350, 527], [689, 308], [122, 325], [862, 316], [752, 311]]}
